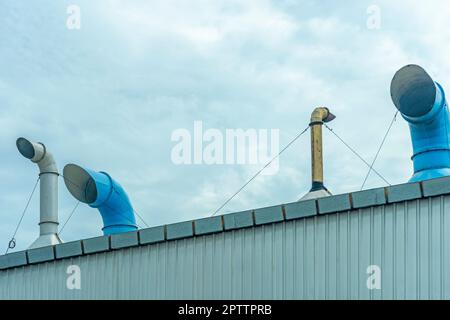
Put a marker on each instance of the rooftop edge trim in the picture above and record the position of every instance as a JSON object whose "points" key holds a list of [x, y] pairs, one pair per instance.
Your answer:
{"points": [[287, 212]]}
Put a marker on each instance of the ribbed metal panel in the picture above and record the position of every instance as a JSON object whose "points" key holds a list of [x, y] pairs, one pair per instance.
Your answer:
{"points": [[322, 257]]}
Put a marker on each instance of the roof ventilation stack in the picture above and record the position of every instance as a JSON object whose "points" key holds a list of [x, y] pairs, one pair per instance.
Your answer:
{"points": [[48, 224], [421, 101], [100, 191], [318, 117]]}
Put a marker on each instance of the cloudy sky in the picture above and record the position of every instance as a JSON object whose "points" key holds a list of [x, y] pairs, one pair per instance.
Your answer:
{"points": [[109, 96]]}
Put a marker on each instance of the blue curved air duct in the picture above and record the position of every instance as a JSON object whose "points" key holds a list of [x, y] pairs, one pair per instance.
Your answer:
{"points": [[100, 191], [421, 101]]}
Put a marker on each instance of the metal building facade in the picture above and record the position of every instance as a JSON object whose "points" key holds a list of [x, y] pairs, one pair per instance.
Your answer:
{"points": [[320, 256]]}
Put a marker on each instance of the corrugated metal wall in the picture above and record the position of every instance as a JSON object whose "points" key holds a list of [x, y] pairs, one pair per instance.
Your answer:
{"points": [[323, 257]]}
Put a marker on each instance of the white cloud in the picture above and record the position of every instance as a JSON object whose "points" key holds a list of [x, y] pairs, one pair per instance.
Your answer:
{"points": [[109, 95]]}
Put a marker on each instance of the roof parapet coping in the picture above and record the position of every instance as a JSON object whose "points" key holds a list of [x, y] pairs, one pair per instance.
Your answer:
{"points": [[232, 221]]}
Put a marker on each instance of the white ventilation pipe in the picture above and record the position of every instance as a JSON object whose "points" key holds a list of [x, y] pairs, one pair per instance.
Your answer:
{"points": [[48, 223]]}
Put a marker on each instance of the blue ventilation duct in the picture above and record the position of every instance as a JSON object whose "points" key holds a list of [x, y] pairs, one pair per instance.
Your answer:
{"points": [[100, 191], [421, 101]]}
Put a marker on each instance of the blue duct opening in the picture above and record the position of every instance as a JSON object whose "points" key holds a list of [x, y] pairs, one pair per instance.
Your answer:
{"points": [[421, 101], [100, 191]]}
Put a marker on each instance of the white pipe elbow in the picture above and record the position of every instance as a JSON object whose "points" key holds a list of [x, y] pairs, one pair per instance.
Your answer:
{"points": [[37, 153]]}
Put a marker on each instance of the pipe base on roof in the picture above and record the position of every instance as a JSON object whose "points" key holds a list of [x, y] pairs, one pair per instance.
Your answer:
{"points": [[316, 194], [46, 240], [430, 174]]}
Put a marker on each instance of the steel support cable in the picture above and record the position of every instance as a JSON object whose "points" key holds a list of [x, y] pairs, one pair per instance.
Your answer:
{"points": [[142, 219], [70, 216], [355, 153], [12, 242], [379, 149], [261, 170]]}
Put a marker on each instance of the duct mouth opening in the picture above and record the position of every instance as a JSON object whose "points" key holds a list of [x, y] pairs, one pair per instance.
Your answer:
{"points": [[25, 148], [413, 91], [80, 183]]}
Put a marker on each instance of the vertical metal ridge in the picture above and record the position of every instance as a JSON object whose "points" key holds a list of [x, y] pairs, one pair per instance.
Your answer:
{"points": [[349, 253], [371, 245], [358, 292], [327, 267], [394, 260], [338, 260], [442, 244], [405, 241], [430, 253], [418, 251]]}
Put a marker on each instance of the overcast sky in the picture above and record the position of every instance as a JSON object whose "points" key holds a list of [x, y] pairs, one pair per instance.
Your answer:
{"points": [[109, 96]]}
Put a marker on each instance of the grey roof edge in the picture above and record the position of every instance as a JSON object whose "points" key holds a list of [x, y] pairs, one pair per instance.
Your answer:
{"points": [[358, 199]]}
